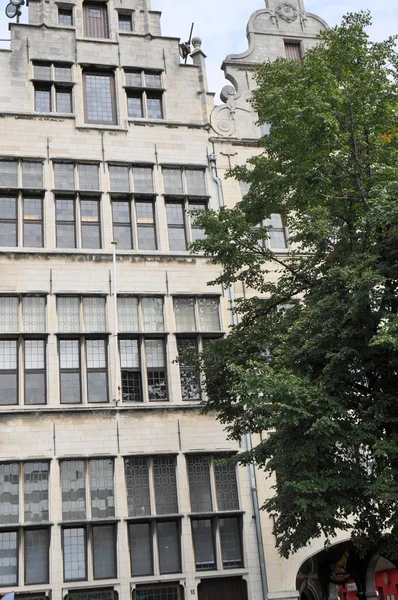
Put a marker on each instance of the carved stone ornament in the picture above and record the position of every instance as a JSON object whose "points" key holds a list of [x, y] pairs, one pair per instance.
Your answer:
{"points": [[287, 12]]}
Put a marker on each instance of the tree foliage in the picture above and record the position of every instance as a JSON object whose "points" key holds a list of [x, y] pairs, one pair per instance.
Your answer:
{"points": [[329, 320]]}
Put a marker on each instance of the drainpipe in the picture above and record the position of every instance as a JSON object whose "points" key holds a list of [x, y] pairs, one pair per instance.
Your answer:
{"points": [[249, 445]]}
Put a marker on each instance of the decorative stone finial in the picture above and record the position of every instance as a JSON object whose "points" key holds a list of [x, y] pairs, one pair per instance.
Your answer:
{"points": [[197, 43]]}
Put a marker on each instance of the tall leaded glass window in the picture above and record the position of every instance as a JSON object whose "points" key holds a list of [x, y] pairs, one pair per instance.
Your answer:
{"points": [[99, 98], [101, 487]]}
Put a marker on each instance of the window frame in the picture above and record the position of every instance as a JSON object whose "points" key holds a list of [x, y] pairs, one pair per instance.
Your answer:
{"points": [[112, 89], [128, 14], [53, 85], [64, 9], [145, 92], [102, 6]]}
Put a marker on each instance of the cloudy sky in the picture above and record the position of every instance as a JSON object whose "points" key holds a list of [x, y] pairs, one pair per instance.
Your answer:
{"points": [[222, 23]]}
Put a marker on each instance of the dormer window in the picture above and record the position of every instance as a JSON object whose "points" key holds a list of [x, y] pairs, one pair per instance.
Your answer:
{"points": [[125, 22], [95, 20], [65, 17], [293, 51]]}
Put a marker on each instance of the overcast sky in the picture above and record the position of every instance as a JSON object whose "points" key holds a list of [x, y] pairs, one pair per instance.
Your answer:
{"points": [[222, 23]]}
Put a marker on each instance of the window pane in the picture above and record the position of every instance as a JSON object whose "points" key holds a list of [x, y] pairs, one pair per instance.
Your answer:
{"points": [[157, 592], [165, 485], [8, 558], [43, 99], [65, 16], [143, 180], [153, 80], [70, 371], [209, 312], [33, 235], [134, 106], [32, 174], [189, 376], [73, 490], [154, 105], [154, 353], [34, 313], [129, 354], [137, 483], [94, 314], [230, 543], [127, 310], [96, 354], [33, 225], [172, 179], [34, 355], [74, 543], [89, 210], [36, 556], [36, 491], [63, 100], [8, 221], [8, 173], [8, 208], [203, 545], [64, 176], [184, 311], [104, 555], [277, 238], [196, 208], [119, 179], [63, 73], [177, 240], [8, 380], [68, 314], [195, 182], [101, 486], [88, 177], [97, 381], [91, 237], [99, 99], [35, 375], [133, 78], [199, 483], [140, 549], [66, 236], [169, 547], [97, 387], [152, 309], [8, 314], [131, 386], [226, 486], [125, 23], [9, 493], [43, 72], [146, 238]]}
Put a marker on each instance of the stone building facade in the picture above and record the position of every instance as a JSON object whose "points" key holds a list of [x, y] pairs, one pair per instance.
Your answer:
{"points": [[110, 480]]}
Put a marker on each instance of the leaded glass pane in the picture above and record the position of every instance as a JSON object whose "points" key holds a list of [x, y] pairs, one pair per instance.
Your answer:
{"points": [[63, 98], [63, 73], [104, 555], [88, 177], [195, 182], [169, 547], [131, 386], [189, 376], [277, 238], [68, 313], [153, 80], [172, 179], [8, 314], [154, 354], [36, 491], [101, 486], [94, 314], [203, 542], [43, 98], [157, 593], [134, 106], [125, 23], [226, 486], [175, 213], [74, 545], [70, 354], [119, 178], [36, 556], [35, 375], [32, 174], [43, 71], [145, 225], [196, 208], [99, 98], [73, 490], [143, 179], [9, 493], [137, 483], [65, 17], [199, 483], [154, 107], [8, 355], [209, 312], [127, 310], [184, 311], [133, 78], [64, 176], [165, 485], [34, 355], [8, 558], [129, 354], [231, 548], [34, 314], [140, 549], [96, 358], [152, 309], [8, 173], [8, 372]]}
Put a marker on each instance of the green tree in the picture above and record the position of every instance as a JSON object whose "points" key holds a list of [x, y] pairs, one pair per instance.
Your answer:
{"points": [[328, 321]]}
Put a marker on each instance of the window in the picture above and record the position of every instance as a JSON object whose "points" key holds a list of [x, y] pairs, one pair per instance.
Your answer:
{"points": [[133, 215], [190, 188], [158, 592], [152, 490], [83, 358], [126, 22], [214, 491], [293, 51], [201, 316], [85, 502], [78, 221], [22, 355], [99, 94], [95, 20], [28, 481], [144, 94], [65, 17], [16, 174], [277, 232], [142, 355], [53, 87]]}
